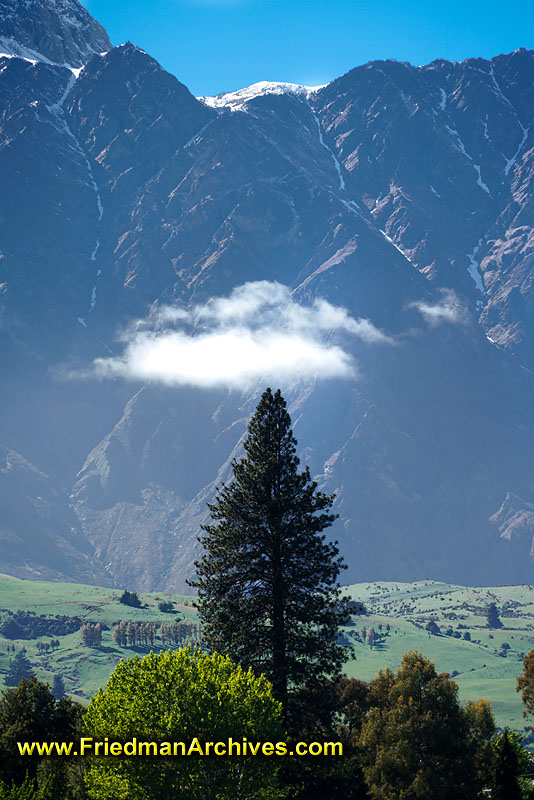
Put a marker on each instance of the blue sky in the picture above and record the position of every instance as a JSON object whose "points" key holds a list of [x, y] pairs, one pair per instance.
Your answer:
{"points": [[222, 45]]}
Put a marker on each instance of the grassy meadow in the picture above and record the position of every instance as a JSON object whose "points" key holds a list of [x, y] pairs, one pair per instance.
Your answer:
{"points": [[398, 613]]}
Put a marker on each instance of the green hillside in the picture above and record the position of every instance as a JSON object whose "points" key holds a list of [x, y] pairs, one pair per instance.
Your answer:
{"points": [[464, 644]]}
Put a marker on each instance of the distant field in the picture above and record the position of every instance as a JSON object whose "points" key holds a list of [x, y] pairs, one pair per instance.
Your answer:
{"points": [[482, 669]]}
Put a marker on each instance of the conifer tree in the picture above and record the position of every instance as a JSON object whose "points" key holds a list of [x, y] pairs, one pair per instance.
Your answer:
{"points": [[506, 769], [58, 687], [19, 668], [492, 616], [267, 582]]}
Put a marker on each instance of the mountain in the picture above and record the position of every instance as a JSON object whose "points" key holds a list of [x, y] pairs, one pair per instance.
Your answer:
{"points": [[51, 31], [402, 194]]}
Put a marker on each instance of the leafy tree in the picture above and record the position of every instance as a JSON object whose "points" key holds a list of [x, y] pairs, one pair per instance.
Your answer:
{"points": [[267, 581], [525, 683], [19, 668], [167, 606], [173, 697], [26, 791], [417, 741], [481, 730], [91, 634], [492, 616]]}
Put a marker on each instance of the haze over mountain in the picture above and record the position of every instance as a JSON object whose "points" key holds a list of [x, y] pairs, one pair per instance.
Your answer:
{"points": [[402, 194]]}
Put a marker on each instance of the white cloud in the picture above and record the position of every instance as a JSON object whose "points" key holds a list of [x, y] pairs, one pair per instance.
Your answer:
{"points": [[447, 310], [256, 333]]}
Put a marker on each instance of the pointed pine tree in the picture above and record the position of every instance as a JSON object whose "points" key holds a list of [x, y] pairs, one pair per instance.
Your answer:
{"points": [[19, 668], [267, 582], [506, 770], [58, 687]]}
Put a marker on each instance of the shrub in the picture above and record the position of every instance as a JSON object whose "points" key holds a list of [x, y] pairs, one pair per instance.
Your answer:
{"points": [[130, 599]]}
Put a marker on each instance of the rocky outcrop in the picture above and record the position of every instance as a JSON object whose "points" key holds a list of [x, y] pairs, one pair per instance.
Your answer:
{"points": [[52, 31]]}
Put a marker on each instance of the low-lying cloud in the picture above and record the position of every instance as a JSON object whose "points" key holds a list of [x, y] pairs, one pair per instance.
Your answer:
{"points": [[447, 310], [256, 333]]}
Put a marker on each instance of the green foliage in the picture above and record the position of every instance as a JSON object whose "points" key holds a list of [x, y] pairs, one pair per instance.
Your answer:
{"points": [[91, 634], [26, 791], [482, 671], [166, 606], [31, 713], [331, 711], [511, 762], [28, 625], [267, 581], [130, 599], [417, 742], [506, 786], [480, 733], [525, 683], [176, 696], [146, 634], [19, 668]]}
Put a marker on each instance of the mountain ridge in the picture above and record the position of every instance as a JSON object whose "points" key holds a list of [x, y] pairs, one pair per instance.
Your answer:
{"points": [[50, 31], [125, 194]]}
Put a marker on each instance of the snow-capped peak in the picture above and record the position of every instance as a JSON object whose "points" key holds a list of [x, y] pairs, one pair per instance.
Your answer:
{"points": [[236, 100]]}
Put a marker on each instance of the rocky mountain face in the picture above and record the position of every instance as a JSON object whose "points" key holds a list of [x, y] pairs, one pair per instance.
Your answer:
{"points": [[53, 31], [403, 194]]}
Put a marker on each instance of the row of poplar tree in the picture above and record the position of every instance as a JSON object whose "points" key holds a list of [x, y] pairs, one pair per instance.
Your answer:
{"points": [[145, 634]]}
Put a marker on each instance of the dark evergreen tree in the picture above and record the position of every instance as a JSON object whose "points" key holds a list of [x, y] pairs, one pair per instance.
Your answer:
{"points": [[130, 599], [267, 582], [58, 687], [19, 668], [30, 713], [492, 616], [506, 770]]}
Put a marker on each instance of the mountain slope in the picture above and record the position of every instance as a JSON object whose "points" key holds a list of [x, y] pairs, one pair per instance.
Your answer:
{"points": [[52, 31], [400, 193]]}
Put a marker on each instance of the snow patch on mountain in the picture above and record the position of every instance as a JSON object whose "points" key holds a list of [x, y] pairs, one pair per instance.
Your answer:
{"points": [[510, 162], [335, 159], [474, 268], [9, 48], [236, 100], [57, 109], [396, 246]]}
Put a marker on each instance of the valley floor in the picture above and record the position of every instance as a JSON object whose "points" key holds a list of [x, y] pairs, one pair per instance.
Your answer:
{"points": [[484, 661]]}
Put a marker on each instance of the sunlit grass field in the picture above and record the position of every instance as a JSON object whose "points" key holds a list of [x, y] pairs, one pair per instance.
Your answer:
{"points": [[465, 646]]}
